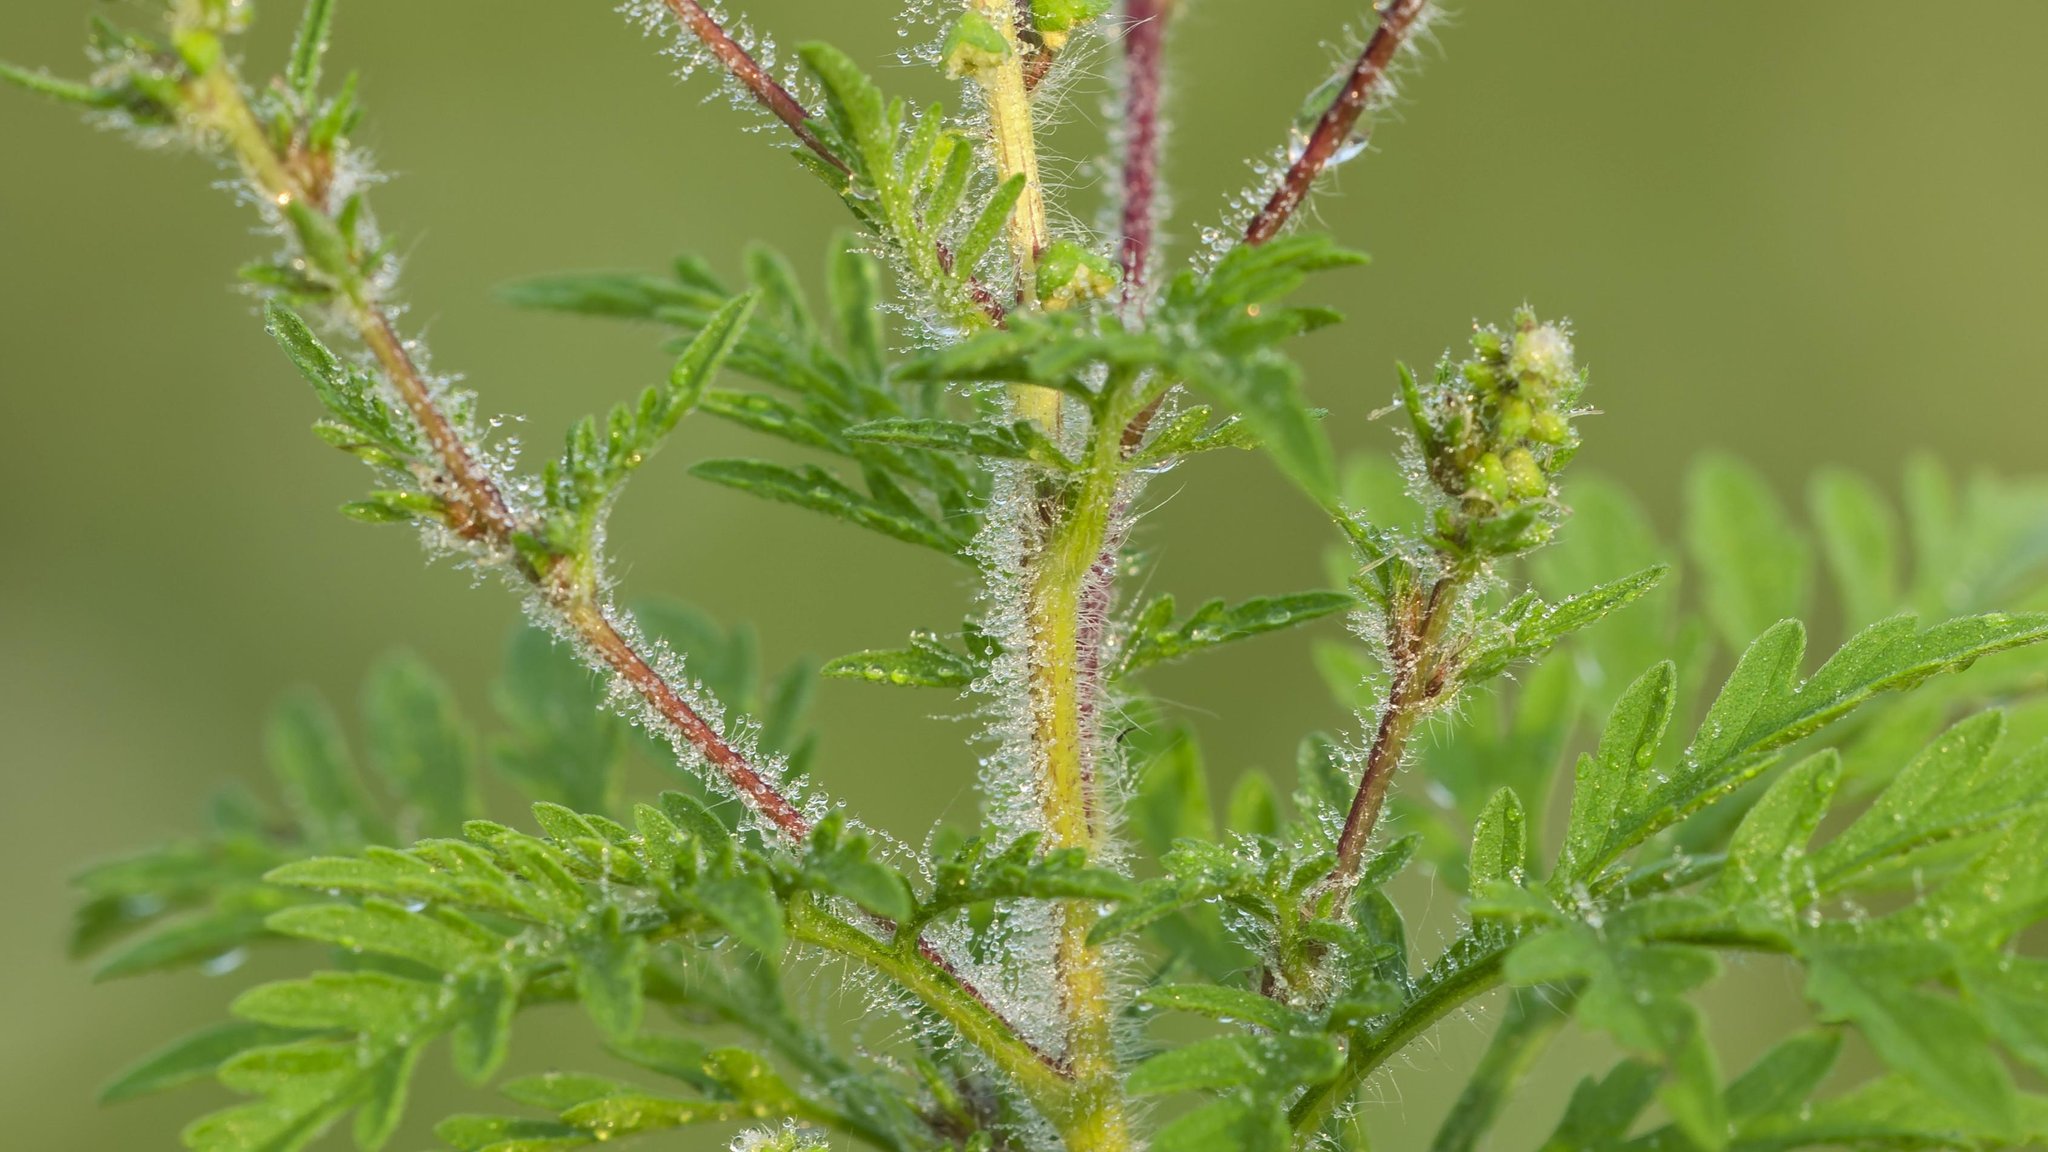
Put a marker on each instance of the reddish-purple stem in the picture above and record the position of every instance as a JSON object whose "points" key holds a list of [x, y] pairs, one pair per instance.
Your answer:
{"points": [[1338, 122], [1144, 53], [749, 73]]}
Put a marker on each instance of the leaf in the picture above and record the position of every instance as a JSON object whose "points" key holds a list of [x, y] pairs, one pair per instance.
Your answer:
{"points": [[1952, 787], [302, 73], [745, 906], [1772, 838], [195, 1057], [1756, 565], [618, 295], [1763, 706], [1172, 797], [809, 486], [388, 929], [1930, 1039], [1253, 809], [1782, 1078], [1229, 1005], [2010, 994], [1156, 641], [1229, 1061], [310, 759], [1235, 1124], [1500, 842], [856, 285], [1602, 1111], [1021, 440], [1534, 627], [842, 863], [922, 667], [419, 744], [1634, 992], [1614, 778], [561, 744], [1266, 390], [1859, 537], [607, 962]]}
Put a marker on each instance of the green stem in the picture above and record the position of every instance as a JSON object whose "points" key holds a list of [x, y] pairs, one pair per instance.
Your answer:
{"points": [[1065, 740], [1040, 1083], [1533, 1018], [1469, 968]]}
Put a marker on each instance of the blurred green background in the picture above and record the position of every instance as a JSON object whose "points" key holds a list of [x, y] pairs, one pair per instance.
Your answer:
{"points": [[1809, 233]]}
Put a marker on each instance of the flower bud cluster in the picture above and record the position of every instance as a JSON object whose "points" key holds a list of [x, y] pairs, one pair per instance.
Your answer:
{"points": [[1493, 431]]}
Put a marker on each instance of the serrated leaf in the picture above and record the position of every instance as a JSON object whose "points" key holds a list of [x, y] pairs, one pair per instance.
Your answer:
{"points": [[1156, 641], [1756, 566], [1266, 391], [1500, 842], [1614, 778], [419, 744], [1230, 1005], [1859, 536], [195, 1057], [1540, 627], [1764, 853], [809, 486], [746, 907], [321, 786], [1930, 1039]]}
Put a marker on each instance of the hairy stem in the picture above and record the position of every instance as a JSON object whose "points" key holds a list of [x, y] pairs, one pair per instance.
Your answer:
{"points": [[1533, 1017], [749, 73], [1144, 57], [1469, 969], [1043, 1085], [1397, 19], [479, 510], [1421, 674], [1065, 673], [1011, 134], [477, 506]]}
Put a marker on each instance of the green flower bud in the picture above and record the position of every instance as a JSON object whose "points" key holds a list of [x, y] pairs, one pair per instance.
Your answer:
{"points": [[1489, 478], [974, 46], [1550, 427], [1069, 274], [1481, 376], [1525, 477], [1515, 419], [1066, 15]]}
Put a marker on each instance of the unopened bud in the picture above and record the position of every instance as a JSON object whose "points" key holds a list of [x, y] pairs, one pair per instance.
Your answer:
{"points": [[974, 46], [1069, 274]]}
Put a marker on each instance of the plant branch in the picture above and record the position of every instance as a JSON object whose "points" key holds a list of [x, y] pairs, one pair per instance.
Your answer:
{"points": [[1397, 19], [748, 71], [932, 983], [1144, 57], [1469, 968], [1534, 1016], [779, 100], [1422, 672], [478, 508]]}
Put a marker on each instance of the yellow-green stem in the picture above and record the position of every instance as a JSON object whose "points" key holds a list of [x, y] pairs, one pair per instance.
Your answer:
{"points": [[1065, 743], [1016, 147]]}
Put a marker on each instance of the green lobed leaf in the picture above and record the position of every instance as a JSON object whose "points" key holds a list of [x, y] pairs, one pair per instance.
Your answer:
{"points": [[420, 745], [811, 487], [1756, 565], [1156, 640], [321, 786]]}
